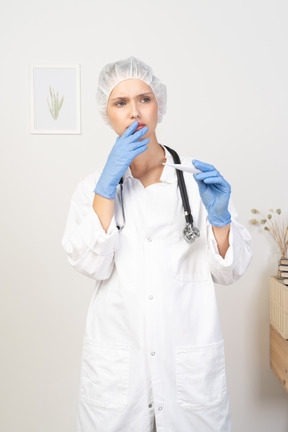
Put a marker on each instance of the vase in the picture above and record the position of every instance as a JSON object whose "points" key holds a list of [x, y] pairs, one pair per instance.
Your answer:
{"points": [[283, 252]]}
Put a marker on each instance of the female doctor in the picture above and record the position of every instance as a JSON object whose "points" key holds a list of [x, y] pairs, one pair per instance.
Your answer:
{"points": [[153, 356]]}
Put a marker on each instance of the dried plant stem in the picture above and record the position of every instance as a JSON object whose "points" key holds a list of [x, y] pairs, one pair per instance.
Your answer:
{"points": [[278, 232], [275, 226]]}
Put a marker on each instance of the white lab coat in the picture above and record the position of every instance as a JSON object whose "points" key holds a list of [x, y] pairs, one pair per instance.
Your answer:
{"points": [[153, 344]]}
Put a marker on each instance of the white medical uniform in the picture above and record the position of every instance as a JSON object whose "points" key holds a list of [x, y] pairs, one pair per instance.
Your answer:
{"points": [[153, 345]]}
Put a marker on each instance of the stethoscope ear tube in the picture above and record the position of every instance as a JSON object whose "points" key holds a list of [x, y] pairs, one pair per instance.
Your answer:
{"points": [[182, 187], [122, 205], [190, 233]]}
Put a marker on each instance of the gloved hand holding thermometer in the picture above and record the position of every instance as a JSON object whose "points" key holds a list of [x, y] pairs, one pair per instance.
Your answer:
{"points": [[215, 193], [126, 148]]}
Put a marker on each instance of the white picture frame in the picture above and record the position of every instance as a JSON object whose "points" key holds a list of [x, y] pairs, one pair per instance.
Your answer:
{"points": [[55, 99]]}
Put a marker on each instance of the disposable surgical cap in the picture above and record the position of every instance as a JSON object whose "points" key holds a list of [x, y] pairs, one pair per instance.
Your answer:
{"points": [[130, 68]]}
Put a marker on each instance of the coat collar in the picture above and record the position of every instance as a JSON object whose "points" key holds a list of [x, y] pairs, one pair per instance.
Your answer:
{"points": [[168, 174]]}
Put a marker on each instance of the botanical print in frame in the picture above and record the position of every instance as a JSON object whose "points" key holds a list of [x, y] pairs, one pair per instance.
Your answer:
{"points": [[55, 99]]}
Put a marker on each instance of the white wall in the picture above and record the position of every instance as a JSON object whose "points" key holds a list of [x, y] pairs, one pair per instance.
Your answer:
{"points": [[225, 66]]}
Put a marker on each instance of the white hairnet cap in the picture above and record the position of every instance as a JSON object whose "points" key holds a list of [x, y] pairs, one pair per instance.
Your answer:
{"points": [[113, 73]]}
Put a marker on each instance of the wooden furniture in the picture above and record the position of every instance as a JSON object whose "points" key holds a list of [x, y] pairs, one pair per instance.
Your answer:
{"points": [[279, 306], [279, 356], [279, 330]]}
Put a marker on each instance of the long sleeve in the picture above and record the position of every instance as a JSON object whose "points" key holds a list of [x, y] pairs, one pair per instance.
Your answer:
{"points": [[89, 248], [238, 256]]}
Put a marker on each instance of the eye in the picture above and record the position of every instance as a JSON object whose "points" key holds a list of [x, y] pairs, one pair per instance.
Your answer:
{"points": [[120, 103], [146, 99]]}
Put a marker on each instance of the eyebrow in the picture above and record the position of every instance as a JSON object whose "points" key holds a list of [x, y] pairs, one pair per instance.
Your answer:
{"points": [[140, 95]]}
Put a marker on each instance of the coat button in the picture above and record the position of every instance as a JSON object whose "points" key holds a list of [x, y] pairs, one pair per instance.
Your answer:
{"points": [[153, 353], [160, 408], [150, 406], [149, 239], [151, 297]]}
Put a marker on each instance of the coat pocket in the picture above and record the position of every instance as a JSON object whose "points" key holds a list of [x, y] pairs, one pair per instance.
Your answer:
{"points": [[200, 376], [105, 375], [188, 261]]}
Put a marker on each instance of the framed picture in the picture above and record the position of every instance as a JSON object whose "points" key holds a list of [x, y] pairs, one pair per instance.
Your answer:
{"points": [[55, 99]]}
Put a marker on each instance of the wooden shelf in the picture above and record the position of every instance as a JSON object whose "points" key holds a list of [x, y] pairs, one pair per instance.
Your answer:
{"points": [[279, 306], [279, 356]]}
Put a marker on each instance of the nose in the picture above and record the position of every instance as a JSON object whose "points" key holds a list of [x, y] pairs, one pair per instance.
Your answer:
{"points": [[134, 112]]}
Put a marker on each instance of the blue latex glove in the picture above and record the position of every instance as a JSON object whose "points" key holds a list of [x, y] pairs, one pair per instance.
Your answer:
{"points": [[122, 154], [215, 193]]}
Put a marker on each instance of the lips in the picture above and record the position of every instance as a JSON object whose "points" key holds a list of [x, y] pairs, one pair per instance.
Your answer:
{"points": [[140, 126]]}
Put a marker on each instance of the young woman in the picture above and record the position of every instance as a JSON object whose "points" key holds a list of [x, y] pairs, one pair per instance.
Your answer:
{"points": [[153, 352]]}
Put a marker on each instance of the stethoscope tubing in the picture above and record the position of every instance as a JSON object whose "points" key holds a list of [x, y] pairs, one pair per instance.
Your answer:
{"points": [[190, 233]]}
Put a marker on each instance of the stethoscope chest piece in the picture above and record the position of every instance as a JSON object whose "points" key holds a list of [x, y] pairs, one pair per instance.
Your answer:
{"points": [[190, 233]]}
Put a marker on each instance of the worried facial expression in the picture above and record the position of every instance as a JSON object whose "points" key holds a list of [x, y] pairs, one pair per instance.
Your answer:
{"points": [[132, 100]]}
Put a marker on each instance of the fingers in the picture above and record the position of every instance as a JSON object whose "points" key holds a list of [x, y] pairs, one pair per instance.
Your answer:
{"points": [[140, 150], [139, 144], [212, 186], [129, 131], [137, 135], [202, 166], [213, 180], [208, 174], [210, 178]]}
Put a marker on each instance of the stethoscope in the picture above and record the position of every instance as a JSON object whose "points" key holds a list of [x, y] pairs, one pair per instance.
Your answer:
{"points": [[190, 233]]}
